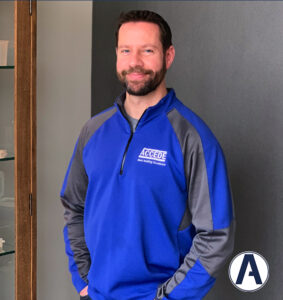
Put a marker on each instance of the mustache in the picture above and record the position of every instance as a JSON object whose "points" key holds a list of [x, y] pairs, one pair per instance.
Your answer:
{"points": [[136, 70]]}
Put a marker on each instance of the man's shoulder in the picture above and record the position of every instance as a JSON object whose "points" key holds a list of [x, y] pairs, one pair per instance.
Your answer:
{"points": [[95, 122], [190, 123], [100, 118]]}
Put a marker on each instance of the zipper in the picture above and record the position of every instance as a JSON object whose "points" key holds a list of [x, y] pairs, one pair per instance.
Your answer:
{"points": [[125, 153], [128, 144]]}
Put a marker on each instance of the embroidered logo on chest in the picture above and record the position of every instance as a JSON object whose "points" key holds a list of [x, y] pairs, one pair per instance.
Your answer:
{"points": [[153, 156]]}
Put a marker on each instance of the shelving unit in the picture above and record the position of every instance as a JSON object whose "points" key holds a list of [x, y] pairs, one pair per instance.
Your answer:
{"points": [[18, 139], [7, 67], [9, 157], [9, 249]]}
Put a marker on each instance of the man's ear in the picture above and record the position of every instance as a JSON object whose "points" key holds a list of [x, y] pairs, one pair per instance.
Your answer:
{"points": [[169, 56]]}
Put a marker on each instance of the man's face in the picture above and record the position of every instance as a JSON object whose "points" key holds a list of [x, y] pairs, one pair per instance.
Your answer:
{"points": [[141, 63]]}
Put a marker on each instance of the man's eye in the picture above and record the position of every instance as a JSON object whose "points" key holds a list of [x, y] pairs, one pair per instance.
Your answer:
{"points": [[125, 51], [148, 50]]}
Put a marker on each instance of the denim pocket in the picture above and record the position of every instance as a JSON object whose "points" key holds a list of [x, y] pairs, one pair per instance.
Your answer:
{"points": [[85, 297]]}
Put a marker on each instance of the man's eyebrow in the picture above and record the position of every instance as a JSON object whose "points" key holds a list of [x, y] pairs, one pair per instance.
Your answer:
{"points": [[149, 45], [143, 46], [123, 46]]}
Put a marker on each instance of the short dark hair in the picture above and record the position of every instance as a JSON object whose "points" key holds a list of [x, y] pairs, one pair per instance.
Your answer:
{"points": [[147, 16]]}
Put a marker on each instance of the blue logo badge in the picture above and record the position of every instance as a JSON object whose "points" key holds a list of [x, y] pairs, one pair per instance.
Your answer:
{"points": [[249, 271]]}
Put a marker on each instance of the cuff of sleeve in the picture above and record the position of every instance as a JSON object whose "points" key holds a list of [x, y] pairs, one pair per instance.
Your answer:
{"points": [[78, 282]]}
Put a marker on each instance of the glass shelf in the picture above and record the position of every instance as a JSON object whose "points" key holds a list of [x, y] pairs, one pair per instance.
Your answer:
{"points": [[9, 157], [7, 67], [7, 250]]}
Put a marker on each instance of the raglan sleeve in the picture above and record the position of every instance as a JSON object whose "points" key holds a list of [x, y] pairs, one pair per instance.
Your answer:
{"points": [[211, 212], [72, 195]]}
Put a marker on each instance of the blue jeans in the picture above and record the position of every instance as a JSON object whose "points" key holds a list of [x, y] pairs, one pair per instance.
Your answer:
{"points": [[85, 298]]}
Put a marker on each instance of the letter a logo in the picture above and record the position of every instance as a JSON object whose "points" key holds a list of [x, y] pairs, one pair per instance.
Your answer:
{"points": [[249, 271], [249, 259]]}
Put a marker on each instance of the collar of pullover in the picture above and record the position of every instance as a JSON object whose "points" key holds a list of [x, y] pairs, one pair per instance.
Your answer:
{"points": [[151, 112]]}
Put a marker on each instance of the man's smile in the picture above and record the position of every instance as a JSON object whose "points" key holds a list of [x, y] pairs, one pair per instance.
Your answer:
{"points": [[136, 75]]}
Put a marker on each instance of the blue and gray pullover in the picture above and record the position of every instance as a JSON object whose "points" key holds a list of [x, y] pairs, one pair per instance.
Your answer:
{"points": [[149, 213]]}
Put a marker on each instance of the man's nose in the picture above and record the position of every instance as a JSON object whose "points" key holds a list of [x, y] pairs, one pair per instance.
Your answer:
{"points": [[135, 59]]}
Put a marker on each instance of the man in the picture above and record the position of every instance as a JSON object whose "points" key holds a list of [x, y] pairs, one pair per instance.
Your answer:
{"points": [[148, 208]]}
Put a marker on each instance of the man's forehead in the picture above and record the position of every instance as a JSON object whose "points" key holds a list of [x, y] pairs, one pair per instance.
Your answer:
{"points": [[146, 27], [137, 30], [139, 24]]}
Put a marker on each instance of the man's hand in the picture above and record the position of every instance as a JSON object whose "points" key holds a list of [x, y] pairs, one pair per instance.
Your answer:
{"points": [[84, 292]]}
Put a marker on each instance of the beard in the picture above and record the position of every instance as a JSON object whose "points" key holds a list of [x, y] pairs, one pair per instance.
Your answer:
{"points": [[142, 87]]}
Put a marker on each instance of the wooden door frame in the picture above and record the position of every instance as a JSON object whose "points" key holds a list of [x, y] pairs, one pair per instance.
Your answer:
{"points": [[25, 150]]}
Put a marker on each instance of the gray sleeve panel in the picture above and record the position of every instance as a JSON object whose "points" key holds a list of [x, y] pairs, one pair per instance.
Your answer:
{"points": [[215, 248], [94, 123], [198, 206], [73, 197], [210, 247]]}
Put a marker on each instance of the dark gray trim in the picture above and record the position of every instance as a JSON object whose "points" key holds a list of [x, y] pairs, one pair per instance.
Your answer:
{"points": [[73, 198], [196, 174], [94, 123], [210, 247], [219, 246]]}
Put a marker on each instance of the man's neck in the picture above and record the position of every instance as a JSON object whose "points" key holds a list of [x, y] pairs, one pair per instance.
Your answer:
{"points": [[136, 105]]}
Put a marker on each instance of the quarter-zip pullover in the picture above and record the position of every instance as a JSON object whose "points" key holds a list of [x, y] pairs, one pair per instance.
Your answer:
{"points": [[149, 213]]}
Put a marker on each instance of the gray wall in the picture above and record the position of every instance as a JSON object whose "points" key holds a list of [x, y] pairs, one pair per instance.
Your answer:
{"points": [[63, 105], [228, 69], [7, 262]]}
